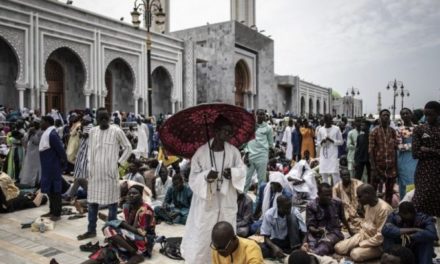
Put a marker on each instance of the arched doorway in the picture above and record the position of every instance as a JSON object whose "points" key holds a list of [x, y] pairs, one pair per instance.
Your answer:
{"points": [[303, 105], [9, 65], [325, 107], [310, 106], [318, 107], [55, 80], [65, 76], [242, 82], [162, 87], [119, 82]]}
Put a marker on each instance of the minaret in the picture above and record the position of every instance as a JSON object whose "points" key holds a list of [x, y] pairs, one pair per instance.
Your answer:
{"points": [[243, 11], [166, 9], [379, 103]]}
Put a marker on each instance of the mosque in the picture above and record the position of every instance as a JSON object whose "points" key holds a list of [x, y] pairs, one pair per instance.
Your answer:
{"points": [[54, 55]]}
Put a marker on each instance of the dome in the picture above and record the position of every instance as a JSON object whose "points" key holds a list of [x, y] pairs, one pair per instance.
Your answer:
{"points": [[335, 94]]}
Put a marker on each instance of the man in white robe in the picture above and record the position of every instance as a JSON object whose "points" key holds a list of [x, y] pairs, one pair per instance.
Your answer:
{"points": [[216, 176], [302, 179], [105, 141], [329, 138], [287, 139], [142, 143]]}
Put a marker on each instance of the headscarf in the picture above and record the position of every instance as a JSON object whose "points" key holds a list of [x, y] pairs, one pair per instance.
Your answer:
{"points": [[434, 105], [280, 178]]}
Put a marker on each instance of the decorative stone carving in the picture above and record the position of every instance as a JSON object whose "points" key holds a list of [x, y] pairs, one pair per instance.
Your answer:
{"points": [[50, 44], [189, 73], [132, 62], [16, 39]]}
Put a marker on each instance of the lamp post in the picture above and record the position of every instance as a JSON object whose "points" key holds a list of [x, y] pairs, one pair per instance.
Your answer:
{"points": [[395, 85], [403, 93], [149, 8], [353, 92]]}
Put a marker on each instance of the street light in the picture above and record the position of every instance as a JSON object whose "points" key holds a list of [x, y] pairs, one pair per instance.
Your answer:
{"points": [[395, 85], [353, 92], [150, 8], [403, 93]]}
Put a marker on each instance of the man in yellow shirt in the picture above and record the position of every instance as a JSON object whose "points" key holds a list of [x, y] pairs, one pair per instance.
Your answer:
{"points": [[227, 248]]}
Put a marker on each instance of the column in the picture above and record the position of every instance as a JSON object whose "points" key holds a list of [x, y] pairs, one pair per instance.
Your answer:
{"points": [[21, 87], [43, 103], [136, 106], [87, 95], [173, 106]]}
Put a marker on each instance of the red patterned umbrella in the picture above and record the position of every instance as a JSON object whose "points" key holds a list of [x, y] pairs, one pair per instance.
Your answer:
{"points": [[183, 133]]}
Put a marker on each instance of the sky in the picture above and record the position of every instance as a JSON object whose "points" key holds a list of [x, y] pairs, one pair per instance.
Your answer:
{"points": [[339, 44]]}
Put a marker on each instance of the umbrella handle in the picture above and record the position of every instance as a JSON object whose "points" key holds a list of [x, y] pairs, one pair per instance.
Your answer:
{"points": [[209, 143]]}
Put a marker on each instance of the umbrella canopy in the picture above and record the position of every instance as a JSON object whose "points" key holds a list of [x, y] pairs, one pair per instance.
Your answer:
{"points": [[183, 133]]}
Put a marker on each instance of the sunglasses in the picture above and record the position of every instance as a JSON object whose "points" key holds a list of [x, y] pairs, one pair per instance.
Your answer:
{"points": [[222, 249]]}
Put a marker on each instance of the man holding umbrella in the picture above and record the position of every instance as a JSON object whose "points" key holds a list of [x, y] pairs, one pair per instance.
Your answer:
{"points": [[217, 173]]}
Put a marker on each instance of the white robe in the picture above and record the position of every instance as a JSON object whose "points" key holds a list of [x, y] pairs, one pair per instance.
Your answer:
{"points": [[287, 138], [103, 158], [328, 158], [302, 171], [142, 144], [209, 206]]}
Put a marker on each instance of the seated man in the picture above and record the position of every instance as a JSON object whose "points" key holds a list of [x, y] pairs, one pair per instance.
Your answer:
{"points": [[277, 185], [399, 255], [175, 207], [302, 257], [25, 200], [229, 248], [131, 239], [283, 229], [133, 173], [160, 185], [415, 231], [345, 191], [244, 214], [324, 216], [367, 243], [303, 181]]}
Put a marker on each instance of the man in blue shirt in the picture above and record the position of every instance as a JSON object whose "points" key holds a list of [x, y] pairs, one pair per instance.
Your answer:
{"points": [[283, 229], [177, 202], [411, 229]]}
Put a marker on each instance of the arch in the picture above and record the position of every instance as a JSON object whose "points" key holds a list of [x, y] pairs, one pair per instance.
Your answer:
{"points": [[325, 107], [242, 82], [66, 76], [310, 106], [119, 82], [162, 85], [318, 107], [9, 73], [303, 105]]}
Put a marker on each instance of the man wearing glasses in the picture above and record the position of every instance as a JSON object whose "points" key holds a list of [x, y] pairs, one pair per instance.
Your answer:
{"points": [[228, 248]]}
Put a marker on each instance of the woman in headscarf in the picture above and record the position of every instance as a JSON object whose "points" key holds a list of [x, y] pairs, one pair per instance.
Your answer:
{"points": [[426, 148], [308, 139], [30, 173], [269, 192], [130, 239], [406, 164]]}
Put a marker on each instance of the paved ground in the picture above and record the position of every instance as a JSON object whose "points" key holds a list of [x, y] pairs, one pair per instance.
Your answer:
{"points": [[21, 246]]}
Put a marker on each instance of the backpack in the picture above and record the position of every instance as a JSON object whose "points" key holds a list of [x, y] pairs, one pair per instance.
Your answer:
{"points": [[170, 247]]}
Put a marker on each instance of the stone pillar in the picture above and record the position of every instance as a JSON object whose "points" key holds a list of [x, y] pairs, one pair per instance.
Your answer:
{"points": [[173, 106], [87, 95], [136, 106], [21, 87], [43, 103]]}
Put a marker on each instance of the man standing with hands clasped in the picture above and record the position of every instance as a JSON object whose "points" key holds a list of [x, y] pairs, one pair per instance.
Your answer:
{"points": [[217, 173], [329, 137], [105, 141]]}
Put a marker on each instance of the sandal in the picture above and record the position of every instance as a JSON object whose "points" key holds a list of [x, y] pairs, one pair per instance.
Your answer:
{"points": [[89, 247], [86, 235]]}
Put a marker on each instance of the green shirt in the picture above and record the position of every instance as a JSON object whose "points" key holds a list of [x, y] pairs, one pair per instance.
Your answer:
{"points": [[259, 146]]}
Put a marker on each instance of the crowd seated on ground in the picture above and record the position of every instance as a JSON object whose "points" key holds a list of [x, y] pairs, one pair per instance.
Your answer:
{"points": [[296, 217]]}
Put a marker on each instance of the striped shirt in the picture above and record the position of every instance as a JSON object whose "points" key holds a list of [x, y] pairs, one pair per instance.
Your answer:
{"points": [[103, 156]]}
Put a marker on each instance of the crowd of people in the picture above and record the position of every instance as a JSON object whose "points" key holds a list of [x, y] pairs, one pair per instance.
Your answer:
{"points": [[301, 191]]}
